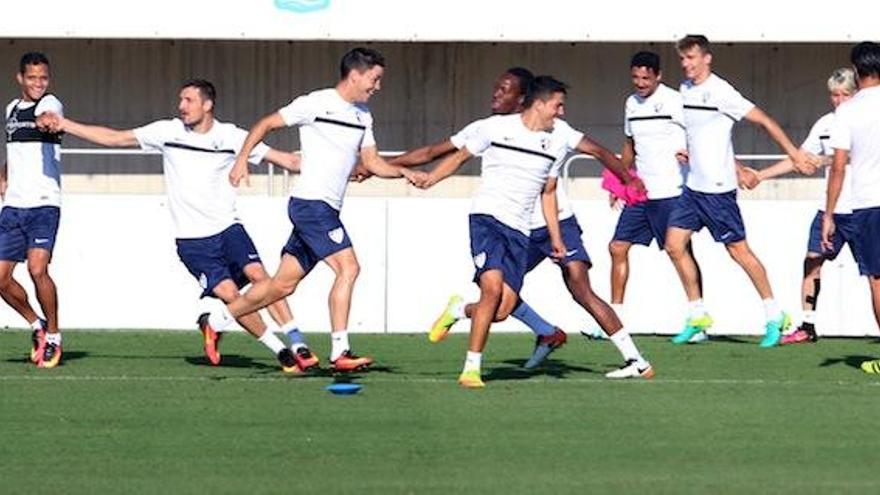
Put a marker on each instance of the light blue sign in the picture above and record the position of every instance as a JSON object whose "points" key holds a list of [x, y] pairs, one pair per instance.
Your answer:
{"points": [[302, 6]]}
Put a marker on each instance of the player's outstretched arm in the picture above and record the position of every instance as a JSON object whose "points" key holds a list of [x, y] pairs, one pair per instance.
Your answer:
{"points": [[447, 167], [263, 127], [285, 159], [550, 209], [609, 161], [105, 136], [835, 185], [628, 153], [802, 162], [425, 154]]}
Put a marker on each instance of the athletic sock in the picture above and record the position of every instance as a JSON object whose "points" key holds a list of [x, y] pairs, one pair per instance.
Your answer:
{"points": [[524, 313], [618, 310], [627, 347], [772, 310], [220, 319], [810, 317], [37, 324], [297, 341], [270, 340], [339, 344], [696, 308], [53, 338], [473, 361], [457, 310]]}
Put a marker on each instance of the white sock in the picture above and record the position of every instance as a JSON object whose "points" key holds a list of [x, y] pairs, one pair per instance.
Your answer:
{"points": [[36, 324], [627, 347], [339, 344], [220, 320], [458, 310], [810, 317], [270, 340], [473, 361], [53, 338], [297, 341], [696, 308], [771, 309]]}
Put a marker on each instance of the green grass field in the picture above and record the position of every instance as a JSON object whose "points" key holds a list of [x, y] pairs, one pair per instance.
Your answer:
{"points": [[143, 413]]}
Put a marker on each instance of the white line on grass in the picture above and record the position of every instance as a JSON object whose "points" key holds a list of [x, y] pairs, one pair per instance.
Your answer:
{"points": [[424, 380]]}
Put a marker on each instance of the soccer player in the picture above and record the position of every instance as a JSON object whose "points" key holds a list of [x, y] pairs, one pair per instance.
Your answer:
{"points": [[711, 107], [521, 154], [855, 138], [655, 139], [197, 154], [336, 128], [508, 93], [841, 87], [30, 184]]}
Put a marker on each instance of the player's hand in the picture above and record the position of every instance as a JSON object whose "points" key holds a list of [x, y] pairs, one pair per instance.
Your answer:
{"points": [[49, 122], [682, 157], [828, 229], [805, 163], [748, 177], [558, 250], [615, 203], [240, 172], [415, 177], [360, 173]]}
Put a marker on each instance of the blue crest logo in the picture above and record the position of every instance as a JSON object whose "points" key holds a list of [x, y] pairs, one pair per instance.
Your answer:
{"points": [[302, 6]]}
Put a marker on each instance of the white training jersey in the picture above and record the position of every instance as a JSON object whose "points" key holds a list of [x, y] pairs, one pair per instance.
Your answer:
{"points": [[710, 110], [196, 166], [516, 165], [817, 143], [33, 157], [571, 137], [332, 132], [656, 126], [857, 129]]}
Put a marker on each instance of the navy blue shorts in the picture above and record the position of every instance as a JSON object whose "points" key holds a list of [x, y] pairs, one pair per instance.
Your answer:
{"points": [[864, 244], [219, 257], [641, 223], [716, 211], [540, 247], [843, 234], [22, 229], [317, 232], [495, 246]]}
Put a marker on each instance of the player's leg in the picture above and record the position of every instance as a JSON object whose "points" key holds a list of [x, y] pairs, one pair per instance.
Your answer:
{"points": [[577, 280], [345, 265], [777, 320], [227, 291], [619, 251], [47, 296], [677, 243], [810, 286], [282, 315], [15, 296], [873, 366], [491, 284]]}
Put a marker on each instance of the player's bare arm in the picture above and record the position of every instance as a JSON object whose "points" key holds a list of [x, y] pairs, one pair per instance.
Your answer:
{"points": [[105, 136], [259, 131], [800, 159], [835, 185], [445, 168], [286, 159], [425, 154], [550, 209], [609, 161]]}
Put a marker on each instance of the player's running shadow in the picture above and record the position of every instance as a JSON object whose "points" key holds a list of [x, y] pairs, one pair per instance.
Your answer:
{"points": [[853, 361], [729, 339], [550, 367], [230, 361], [65, 357]]}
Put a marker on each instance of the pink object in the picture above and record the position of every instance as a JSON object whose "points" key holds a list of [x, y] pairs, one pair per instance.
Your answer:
{"points": [[627, 194]]}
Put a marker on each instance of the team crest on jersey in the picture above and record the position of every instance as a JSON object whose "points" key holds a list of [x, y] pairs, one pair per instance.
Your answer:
{"points": [[203, 281], [545, 143], [480, 260], [706, 97], [336, 235], [658, 107]]}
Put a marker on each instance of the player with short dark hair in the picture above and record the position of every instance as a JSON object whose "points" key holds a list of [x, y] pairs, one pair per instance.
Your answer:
{"points": [[197, 154], [855, 138], [336, 129], [30, 185]]}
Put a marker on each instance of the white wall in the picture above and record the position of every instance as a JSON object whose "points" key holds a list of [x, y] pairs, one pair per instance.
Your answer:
{"points": [[116, 267]]}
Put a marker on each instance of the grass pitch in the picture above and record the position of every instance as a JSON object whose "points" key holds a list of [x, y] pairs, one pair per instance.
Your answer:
{"points": [[144, 413]]}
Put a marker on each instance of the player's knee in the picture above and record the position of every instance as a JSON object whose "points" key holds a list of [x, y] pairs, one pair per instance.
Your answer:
{"points": [[349, 272], [281, 288], [675, 249], [618, 249], [740, 252], [38, 272]]}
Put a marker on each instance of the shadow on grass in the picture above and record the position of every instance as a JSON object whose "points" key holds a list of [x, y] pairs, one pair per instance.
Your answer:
{"points": [[729, 339], [552, 368], [229, 361], [65, 357], [853, 361]]}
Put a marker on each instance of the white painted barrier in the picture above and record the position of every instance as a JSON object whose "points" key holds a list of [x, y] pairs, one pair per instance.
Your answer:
{"points": [[116, 267]]}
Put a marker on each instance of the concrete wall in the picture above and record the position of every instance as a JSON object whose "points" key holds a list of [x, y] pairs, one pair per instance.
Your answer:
{"points": [[116, 267], [431, 89]]}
